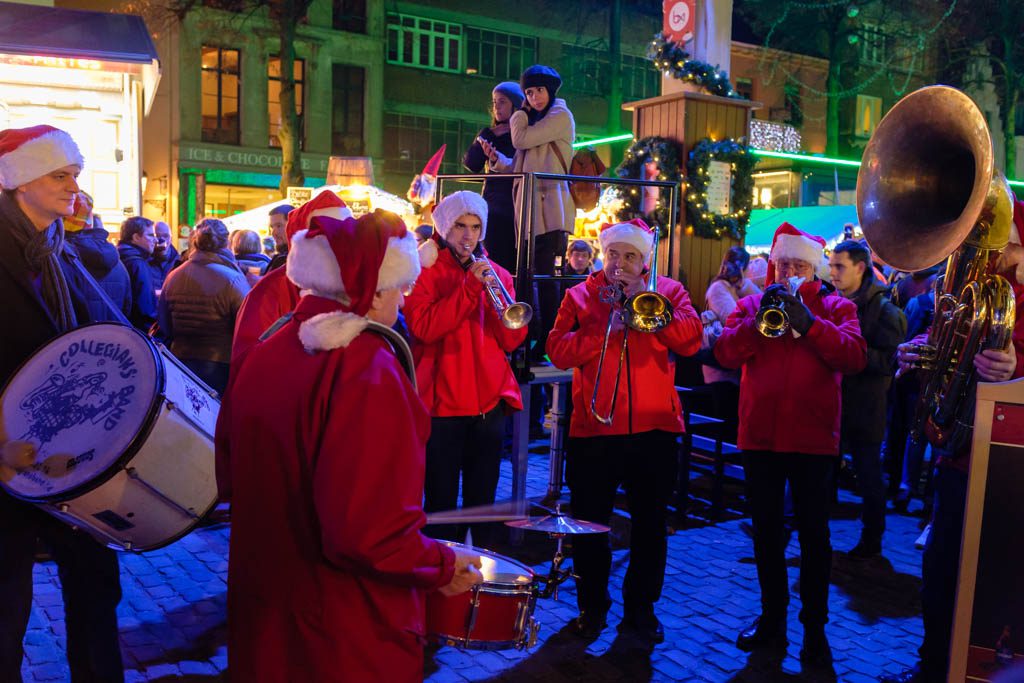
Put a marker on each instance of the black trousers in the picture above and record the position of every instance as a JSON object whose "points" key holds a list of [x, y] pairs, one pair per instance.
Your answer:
{"points": [[646, 464], [810, 479], [90, 583], [867, 461], [467, 448], [547, 248]]}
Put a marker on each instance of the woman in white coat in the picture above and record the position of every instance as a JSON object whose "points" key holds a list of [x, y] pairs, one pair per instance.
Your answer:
{"points": [[542, 134]]}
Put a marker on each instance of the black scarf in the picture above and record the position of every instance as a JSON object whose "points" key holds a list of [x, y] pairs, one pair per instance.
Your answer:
{"points": [[42, 250]]}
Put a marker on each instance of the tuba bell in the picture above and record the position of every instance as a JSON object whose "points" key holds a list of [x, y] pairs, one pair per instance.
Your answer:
{"points": [[927, 191]]}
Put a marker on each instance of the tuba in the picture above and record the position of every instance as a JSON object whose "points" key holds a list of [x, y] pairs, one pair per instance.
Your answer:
{"points": [[646, 311], [927, 190]]}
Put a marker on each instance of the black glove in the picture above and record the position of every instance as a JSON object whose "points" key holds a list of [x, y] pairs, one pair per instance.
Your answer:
{"points": [[773, 291], [800, 317]]}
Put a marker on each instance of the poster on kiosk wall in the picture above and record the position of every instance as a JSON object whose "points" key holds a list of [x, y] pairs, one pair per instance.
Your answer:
{"points": [[988, 629]]}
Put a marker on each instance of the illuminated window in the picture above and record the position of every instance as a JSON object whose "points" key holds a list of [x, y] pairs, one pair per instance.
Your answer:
{"points": [[498, 55], [221, 83], [424, 43], [274, 97], [869, 112]]}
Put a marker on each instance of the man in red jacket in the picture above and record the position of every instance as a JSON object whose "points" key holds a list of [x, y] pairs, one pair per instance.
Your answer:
{"points": [[637, 445], [790, 395], [328, 566], [461, 349], [940, 564], [274, 296]]}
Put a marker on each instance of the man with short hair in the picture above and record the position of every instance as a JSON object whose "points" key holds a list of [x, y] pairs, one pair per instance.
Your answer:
{"points": [[46, 292], [789, 420], [164, 256], [135, 246], [883, 327], [279, 231]]}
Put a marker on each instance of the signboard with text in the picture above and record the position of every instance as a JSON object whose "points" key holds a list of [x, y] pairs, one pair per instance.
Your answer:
{"points": [[247, 159], [297, 196], [719, 187], [679, 20]]}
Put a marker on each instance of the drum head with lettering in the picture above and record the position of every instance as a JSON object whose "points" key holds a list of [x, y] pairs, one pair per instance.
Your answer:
{"points": [[81, 401]]}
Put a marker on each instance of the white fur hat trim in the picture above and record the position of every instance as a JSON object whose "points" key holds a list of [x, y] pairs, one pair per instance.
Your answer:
{"points": [[797, 247], [401, 264], [312, 265], [628, 233], [329, 331], [456, 205], [428, 253]]}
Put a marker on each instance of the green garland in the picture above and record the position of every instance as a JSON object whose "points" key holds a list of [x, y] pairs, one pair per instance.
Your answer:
{"points": [[665, 153], [704, 222], [672, 60]]}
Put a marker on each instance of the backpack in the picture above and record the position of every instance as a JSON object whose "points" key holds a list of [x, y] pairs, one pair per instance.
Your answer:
{"points": [[585, 162]]}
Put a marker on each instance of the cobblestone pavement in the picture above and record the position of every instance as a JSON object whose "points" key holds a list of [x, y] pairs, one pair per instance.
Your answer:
{"points": [[172, 617]]}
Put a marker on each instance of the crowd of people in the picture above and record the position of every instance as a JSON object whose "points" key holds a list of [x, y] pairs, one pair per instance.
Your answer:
{"points": [[335, 437]]}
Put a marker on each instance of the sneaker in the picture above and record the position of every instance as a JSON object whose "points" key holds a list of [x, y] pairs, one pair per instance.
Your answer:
{"points": [[922, 540], [588, 625], [763, 634], [865, 550], [644, 624]]}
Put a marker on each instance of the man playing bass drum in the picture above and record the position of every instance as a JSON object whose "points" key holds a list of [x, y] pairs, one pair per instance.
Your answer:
{"points": [[626, 431]]}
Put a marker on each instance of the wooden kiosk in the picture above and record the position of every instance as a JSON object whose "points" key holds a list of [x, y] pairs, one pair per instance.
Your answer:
{"points": [[687, 118]]}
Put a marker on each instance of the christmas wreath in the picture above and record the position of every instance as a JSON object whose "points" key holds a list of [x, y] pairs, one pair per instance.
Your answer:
{"points": [[706, 223], [651, 158], [672, 60]]}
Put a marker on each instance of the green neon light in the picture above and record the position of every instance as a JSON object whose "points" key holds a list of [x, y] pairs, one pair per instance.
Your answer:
{"points": [[805, 157], [1016, 183], [604, 141]]}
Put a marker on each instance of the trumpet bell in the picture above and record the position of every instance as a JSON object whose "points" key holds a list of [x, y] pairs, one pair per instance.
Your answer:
{"points": [[772, 322], [517, 315]]}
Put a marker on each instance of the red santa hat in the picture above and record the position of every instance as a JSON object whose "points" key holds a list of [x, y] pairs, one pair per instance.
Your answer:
{"points": [[423, 185], [635, 233], [30, 153], [792, 243], [326, 204], [449, 210], [350, 260]]}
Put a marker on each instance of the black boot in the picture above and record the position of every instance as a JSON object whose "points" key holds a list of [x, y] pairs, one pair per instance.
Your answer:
{"points": [[644, 624], [816, 649], [589, 624], [763, 634]]}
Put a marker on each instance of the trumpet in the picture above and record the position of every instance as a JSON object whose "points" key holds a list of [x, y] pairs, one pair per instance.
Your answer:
{"points": [[772, 320], [513, 314], [646, 311]]}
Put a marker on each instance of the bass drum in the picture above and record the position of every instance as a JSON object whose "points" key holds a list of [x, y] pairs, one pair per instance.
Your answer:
{"points": [[123, 434]]}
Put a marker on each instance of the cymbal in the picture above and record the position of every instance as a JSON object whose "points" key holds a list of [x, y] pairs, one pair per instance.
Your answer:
{"points": [[559, 524]]}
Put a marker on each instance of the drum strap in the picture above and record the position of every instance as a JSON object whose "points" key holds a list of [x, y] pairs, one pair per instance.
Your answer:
{"points": [[118, 314], [278, 324], [399, 346]]}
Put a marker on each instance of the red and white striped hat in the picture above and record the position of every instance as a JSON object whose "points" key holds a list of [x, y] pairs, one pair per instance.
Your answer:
{"points": [[30, 153]]}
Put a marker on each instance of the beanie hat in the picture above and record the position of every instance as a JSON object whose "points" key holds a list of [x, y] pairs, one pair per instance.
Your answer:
{"points": [[512, 91], [635, 233], [325, 204], [30, 153], [82, 218], [351, 260], [757, 270], [792, 243], [540, 75], [449, 210]]}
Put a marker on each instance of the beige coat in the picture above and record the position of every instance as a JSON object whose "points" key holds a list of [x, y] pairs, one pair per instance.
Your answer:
{"points": [[553, 207]]}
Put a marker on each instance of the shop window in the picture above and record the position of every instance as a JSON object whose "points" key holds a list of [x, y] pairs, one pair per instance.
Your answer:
{"points": [[349, 103], [409, 141], [424, 43], [498, 55], [350, 15], [274, 97], [221, 83]]}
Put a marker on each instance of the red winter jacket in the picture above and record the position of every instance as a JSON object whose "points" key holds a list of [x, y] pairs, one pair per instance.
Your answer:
{"points": [[647, 399], [459, 344], [791, 388], [273, 296], [329, 568]]}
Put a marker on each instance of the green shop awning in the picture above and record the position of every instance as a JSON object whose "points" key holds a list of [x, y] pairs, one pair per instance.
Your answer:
{"points": [[823, 221]]}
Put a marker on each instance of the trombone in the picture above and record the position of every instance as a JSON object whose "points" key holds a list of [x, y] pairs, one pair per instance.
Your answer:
{"points": [[646, 311], [513, 314]]}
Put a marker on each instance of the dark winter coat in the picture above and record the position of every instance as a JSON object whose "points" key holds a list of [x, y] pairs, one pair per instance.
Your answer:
{"points": [[883, 327], [247, 261], [501, 230], [198, 306], [136, 262], [101, 259], [160, 266]]}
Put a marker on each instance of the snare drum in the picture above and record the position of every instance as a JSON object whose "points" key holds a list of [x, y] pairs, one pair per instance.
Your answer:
{"points": [[495, 615], [123, 434]]}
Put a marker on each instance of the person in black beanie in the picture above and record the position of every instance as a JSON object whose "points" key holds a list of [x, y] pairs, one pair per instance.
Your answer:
{"points": [[46, 289], [506, 98]]}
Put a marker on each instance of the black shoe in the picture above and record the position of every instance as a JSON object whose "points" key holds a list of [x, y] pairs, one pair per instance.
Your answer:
{"points": [[589, 625], [643, 624], [816, 649], [763, 634], [914, 674], [865, 550]]}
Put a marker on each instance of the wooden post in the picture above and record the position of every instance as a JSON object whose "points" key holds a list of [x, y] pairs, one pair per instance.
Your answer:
{"points": [[688, 118]]}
